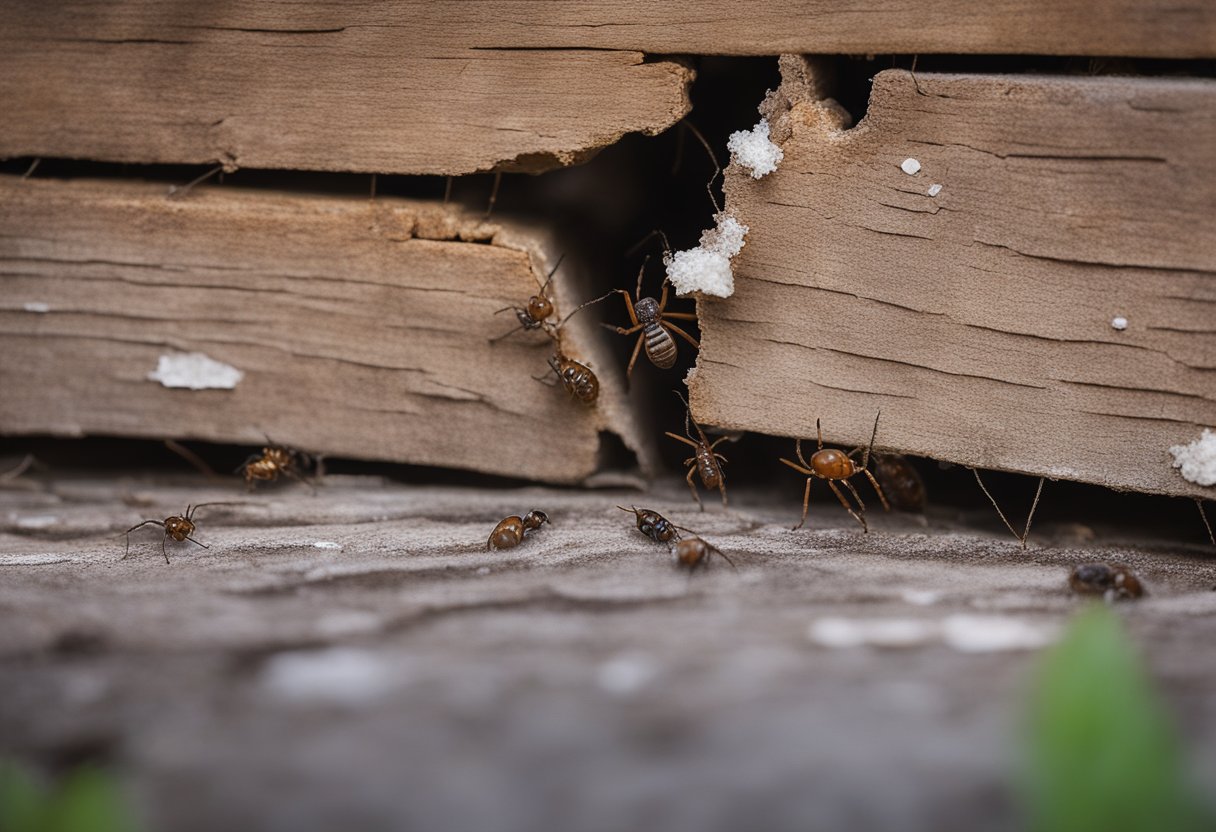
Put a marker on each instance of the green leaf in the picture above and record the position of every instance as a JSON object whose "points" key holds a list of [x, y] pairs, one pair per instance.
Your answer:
{"points": [[1102, 754]]}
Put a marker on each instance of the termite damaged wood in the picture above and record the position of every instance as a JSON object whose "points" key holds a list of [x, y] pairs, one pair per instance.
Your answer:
{"points": [[337, 325], [1037, 297]]}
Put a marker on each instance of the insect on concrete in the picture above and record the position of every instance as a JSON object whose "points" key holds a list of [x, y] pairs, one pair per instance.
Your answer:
{"points": [[654, 525], [1113, 581], [692, 552], [177, 527], [704, 460], [835, 466], [511, 530]]}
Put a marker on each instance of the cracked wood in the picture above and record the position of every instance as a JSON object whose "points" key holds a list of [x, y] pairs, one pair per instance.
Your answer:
{"points": [[361, 327], [979, 319]]}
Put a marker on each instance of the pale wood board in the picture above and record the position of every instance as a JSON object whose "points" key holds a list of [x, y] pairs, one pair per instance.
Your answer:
{"points": [[361, 326], [979, 320], [457, 87]]}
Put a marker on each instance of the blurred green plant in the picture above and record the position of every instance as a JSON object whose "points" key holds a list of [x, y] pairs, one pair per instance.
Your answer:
{"points": [[86, 800], [1102, 754]]}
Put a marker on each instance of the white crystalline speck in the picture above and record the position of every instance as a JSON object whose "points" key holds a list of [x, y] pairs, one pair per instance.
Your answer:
{"points": [[910, 166], [706, 269], [195, 371], [935, 189], [752, 149], [1197, 459], [1118, 322]]}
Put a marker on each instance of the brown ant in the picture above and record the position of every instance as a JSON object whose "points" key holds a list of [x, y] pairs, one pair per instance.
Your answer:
{"points": [[900, 480], [579, 380], [835, 466], [654, 525], [704, 461], [1113, 581], [177, 527], [508, 533], [650, 316], [538, 310], [693, 552], [273, 461]]}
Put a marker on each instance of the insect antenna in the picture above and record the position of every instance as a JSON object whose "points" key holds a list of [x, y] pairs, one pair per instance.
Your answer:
{"points": [[1029, 517], [709, 186], [178, 191], [552, 271], [1206, 524], [584, 305], [865, 460]]}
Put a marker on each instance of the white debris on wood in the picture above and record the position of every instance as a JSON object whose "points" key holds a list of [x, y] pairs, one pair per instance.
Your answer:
{"points": [[1197, 459], [1118, 322], [335, 676], [752, 149], [910, 166], [326, 544], [195, 371], [36, 306], [706, 269], [935, 189]]}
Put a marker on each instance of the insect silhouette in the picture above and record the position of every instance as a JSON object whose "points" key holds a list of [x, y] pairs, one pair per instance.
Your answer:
{"points": [[1114, 581], [900, 480], [579, 380], [178, 527], [538, 310], [273, 461], [512, 530], [692, 552], [654, 525], [836, 466], [651, 317], [704, 460]]}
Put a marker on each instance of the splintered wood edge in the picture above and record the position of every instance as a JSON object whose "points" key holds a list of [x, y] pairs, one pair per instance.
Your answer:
{"points": [[800, 109]]}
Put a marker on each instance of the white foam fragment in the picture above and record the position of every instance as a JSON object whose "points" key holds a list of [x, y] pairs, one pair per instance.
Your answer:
{"points": [[36, 521], [337, 675], [840, 633], [991, 634], [1197, 459], [1118, 322], [326, 544], [36, 306], [706, 269], [625, 675], [195, 371], [910, 166], [935, 189], [754, 150]]}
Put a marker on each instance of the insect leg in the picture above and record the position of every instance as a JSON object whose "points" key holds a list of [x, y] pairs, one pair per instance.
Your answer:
{"points": [[637, 350], [673, 328], [865, 460], [840, 496], [679, 438], [877, 489], [139, 526], [693, 488], [806, 502]]}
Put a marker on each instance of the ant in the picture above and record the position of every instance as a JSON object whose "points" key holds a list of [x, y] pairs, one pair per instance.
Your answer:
{"points": [[1113, 581], [177, 527], [654, 525], [273, 461], [835, 466], [508, 533], [539, 308], [693, 552], [704, 460], [650, 316], [579, 380], [900, 479]]}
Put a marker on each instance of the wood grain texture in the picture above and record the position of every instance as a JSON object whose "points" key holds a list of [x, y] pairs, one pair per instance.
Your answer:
{"points": [[362, 327], [455, 87], [979, 320]]}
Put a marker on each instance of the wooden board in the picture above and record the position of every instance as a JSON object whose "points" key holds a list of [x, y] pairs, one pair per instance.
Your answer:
{"points": [[457, 87], [361, 327], [980, 320]]}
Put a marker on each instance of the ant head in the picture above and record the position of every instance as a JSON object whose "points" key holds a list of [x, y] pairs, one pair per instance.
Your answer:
{"points": [[647, 310], [533, 519], [540, 307]]}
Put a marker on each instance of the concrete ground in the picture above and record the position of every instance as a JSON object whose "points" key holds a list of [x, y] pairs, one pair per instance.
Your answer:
{"points": [[356, 659]]}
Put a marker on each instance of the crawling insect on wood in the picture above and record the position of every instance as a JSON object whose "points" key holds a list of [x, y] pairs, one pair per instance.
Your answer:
{"points": [[273, 461], [177, 527], [650, 316], [1114, 581], [654, 525], [902, 483], [692, 552], [835, 466], [704, 460], [538, 310], [578, 379], [511, 530]]}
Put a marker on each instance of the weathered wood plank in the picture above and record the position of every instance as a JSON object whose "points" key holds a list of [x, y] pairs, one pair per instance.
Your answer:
{"points": [[980, 319], [361, 327], [456, 87]]}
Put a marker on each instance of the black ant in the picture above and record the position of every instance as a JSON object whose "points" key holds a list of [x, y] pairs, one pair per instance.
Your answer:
{"points": [[704, 461], [654, 525], [511, 530], [177, 527], [901, 481], [835, 466]]}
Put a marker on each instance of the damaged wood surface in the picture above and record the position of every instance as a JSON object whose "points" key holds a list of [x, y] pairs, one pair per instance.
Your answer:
{"points": [[457, 87], [337, 325], [982, 319], [361, 641], [388, 88]]}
